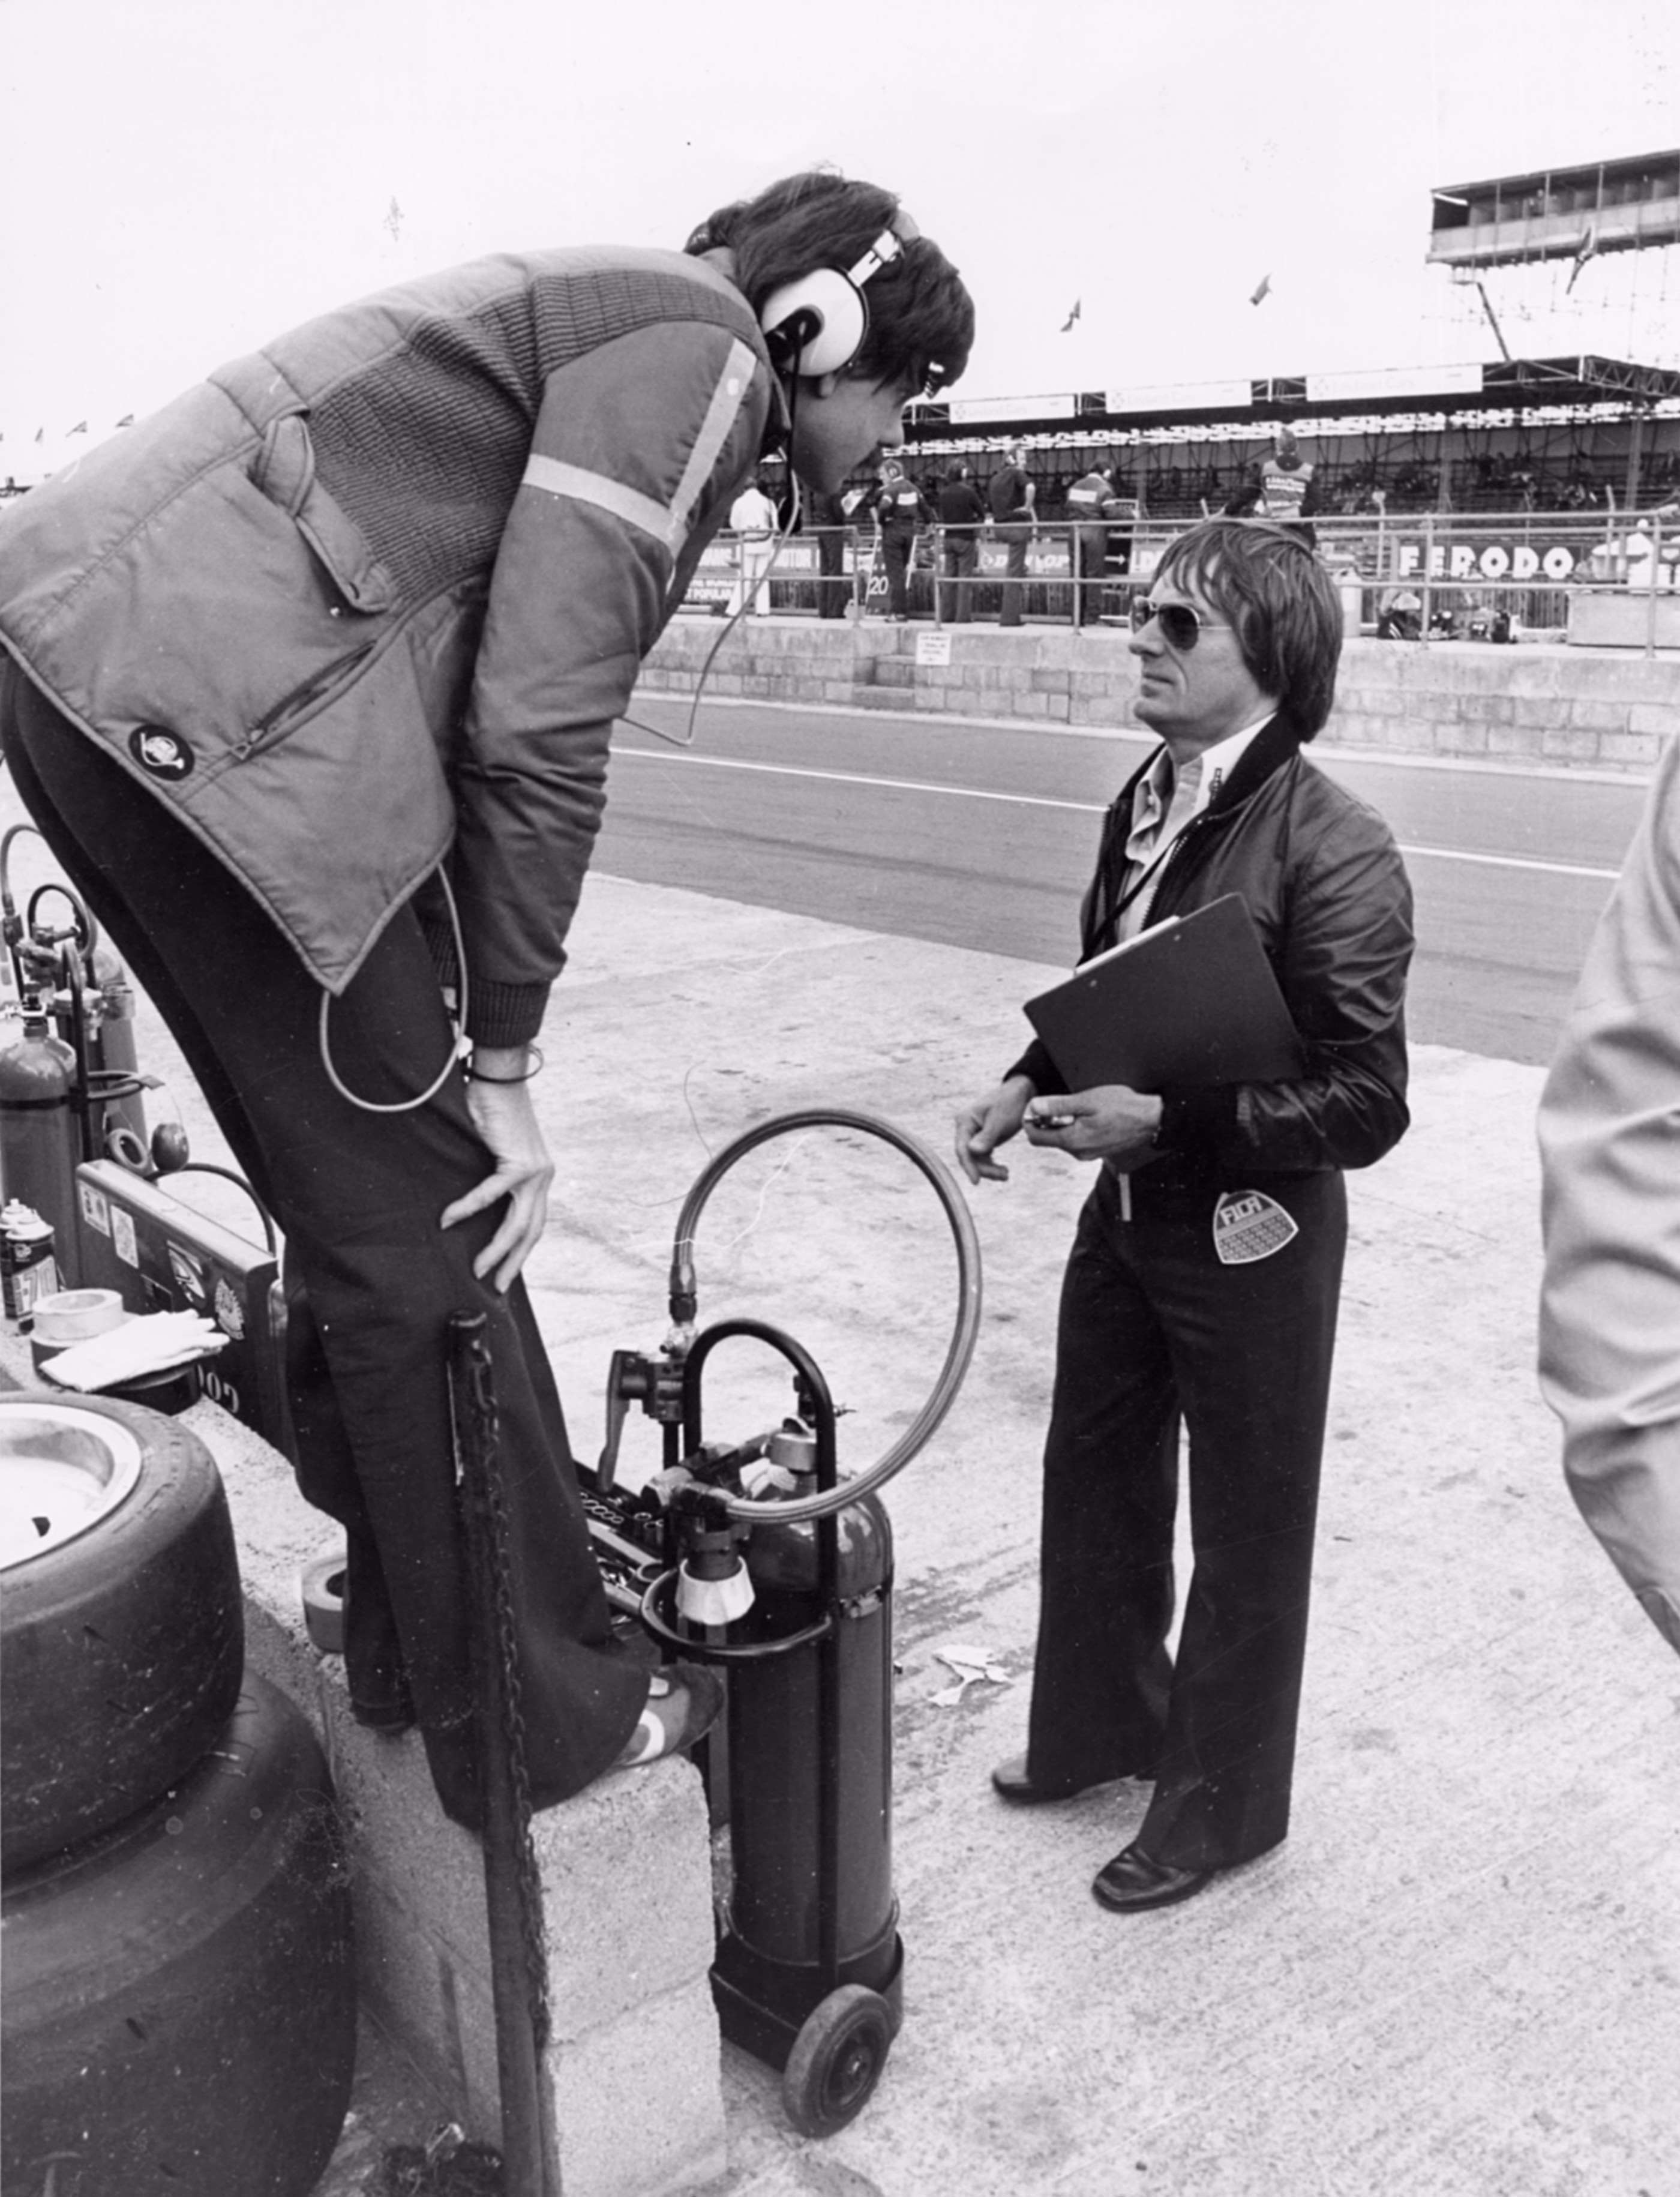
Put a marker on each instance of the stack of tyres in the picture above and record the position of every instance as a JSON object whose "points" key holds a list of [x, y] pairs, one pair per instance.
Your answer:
{"points": [[179, 1995]]}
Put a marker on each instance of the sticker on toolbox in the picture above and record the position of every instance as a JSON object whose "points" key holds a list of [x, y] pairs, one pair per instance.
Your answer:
{"points": [[229, 1313], [187, 1270], [94, 1211], [1247, 1225], [122, 1239]]}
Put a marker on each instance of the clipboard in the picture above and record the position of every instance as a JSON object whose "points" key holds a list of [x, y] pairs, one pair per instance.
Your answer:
{"points": [[1190, 1001]]}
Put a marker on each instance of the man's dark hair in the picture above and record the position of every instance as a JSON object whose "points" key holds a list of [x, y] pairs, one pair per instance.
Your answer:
{"points": [[921, 317], [956, 470], [1280, 599]]}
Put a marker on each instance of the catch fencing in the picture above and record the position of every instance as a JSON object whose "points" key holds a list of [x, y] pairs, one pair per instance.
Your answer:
{"points": [[1421, 577]]}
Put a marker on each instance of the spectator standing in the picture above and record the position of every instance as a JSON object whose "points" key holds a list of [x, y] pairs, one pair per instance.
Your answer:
{"points": [[826, 516], [1092, 505], [1279, 487], [753, 521], [1010, 498], [901, 513], [961, 513]]}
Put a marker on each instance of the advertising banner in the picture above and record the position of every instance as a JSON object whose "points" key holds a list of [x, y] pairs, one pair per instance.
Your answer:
{"points": [[1411, 557], [1046, 559]]}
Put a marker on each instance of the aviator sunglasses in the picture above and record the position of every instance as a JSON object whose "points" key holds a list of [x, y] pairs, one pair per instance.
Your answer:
{"points": [[1181, 626]]}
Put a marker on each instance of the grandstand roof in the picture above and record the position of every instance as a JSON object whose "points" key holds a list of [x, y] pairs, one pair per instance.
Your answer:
{"points": [[1505, 385]]}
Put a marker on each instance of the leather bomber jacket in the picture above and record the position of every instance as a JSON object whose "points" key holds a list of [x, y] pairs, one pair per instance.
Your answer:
{"points": [[1327, 888]]}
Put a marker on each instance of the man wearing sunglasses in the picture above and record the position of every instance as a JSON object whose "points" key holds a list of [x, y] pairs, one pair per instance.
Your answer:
{"points": [[1203, 1282]]}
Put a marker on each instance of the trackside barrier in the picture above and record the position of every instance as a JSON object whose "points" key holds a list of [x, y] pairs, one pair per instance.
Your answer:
{"points": [[1417, 576]]}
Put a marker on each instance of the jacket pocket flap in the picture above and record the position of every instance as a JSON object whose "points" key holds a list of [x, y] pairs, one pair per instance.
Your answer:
{"points": [[285, 472]]}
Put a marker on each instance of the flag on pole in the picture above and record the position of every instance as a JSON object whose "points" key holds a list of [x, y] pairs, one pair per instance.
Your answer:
{"points": [[1072, 317], [1588, 244]]}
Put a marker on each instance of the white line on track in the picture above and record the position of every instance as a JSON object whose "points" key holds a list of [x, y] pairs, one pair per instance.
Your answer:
{"points": [[1083, 808], [858, 778], [935, 721]]}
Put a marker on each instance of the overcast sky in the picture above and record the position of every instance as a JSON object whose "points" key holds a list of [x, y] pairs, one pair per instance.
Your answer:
{"points": [[181, 179]]}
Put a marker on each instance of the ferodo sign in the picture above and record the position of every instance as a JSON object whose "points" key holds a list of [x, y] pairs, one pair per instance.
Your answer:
{"points": [[1484, 560]]}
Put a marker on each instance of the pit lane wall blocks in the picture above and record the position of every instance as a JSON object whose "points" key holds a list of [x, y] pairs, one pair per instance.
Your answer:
{"points": [[1525, 704], [626, 1876]]}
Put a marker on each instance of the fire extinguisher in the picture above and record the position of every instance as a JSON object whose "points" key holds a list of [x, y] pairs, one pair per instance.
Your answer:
{"points": [[114, 1080], [38, 1131], [840, 1689], [792, 1596], [92, 1003]]}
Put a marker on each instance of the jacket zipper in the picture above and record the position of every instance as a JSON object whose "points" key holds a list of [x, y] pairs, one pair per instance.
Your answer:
{"points": [[299, 699]]}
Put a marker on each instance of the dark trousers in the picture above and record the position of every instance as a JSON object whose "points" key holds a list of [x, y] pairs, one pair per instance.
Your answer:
{"points": [[372, 1279], [959, 557], [897, 544], [1155, 1330], [1091, 568], [1015, 540], [832, 591]]}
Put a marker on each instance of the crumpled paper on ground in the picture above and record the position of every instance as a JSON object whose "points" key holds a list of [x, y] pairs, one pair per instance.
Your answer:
{"points": [[151, 1342], [972, 1665]]}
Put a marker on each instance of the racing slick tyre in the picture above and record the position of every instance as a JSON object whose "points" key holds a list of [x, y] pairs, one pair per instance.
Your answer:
{"points": [[122, 1639], [180, 2009]]}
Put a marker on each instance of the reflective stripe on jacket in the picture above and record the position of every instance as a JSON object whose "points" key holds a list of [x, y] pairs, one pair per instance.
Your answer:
{"points": [[381, 589], [1092, 503]]}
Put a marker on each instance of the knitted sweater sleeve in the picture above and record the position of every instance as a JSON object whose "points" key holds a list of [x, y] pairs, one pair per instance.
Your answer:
{"points": [[639, 447]]}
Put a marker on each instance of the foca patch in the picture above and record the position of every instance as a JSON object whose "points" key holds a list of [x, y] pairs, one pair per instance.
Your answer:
{"points": [[1247, 1225]]}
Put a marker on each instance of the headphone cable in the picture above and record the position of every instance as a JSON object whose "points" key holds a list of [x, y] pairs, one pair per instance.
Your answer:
{"points": [[461, 1046], [795, 504]]}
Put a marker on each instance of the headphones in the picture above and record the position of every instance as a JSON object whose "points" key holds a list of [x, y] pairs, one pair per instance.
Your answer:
{"points": [[817, 324]]}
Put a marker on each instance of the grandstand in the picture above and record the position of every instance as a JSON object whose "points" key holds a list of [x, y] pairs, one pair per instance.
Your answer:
{"points": [[1559, 430], [1557, 435]]}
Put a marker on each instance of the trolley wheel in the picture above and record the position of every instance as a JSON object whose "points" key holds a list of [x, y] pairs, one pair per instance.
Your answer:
{"points": [[836, 2059]]}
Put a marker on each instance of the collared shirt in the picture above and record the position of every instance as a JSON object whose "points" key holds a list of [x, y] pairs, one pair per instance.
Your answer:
{"points": [[1163, 802], [753, 513]]}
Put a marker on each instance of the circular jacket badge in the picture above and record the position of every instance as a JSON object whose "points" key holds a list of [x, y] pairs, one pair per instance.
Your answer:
{"points": [[161, 751]]}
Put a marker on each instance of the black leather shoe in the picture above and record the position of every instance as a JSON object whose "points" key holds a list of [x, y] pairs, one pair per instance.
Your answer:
{"points": [[1132, 1882], [1010, 1783]]}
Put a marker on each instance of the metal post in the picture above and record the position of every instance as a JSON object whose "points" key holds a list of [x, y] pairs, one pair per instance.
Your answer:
{"points": [[1651, 587], [1636, 436], [1428, 571]]}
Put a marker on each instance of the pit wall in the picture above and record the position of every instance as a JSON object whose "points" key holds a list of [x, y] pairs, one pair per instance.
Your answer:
{"points": [[1526, 704]]}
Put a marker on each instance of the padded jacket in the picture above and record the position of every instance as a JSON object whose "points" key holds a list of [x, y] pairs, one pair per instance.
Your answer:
{"points": [[1328, 891], [375, 595]]}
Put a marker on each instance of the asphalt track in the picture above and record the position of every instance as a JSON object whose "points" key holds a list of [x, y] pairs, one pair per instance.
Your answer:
{"points": [[970, 832]]}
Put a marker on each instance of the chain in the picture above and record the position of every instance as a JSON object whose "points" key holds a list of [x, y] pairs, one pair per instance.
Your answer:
{"points": [[491, 1504]]}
